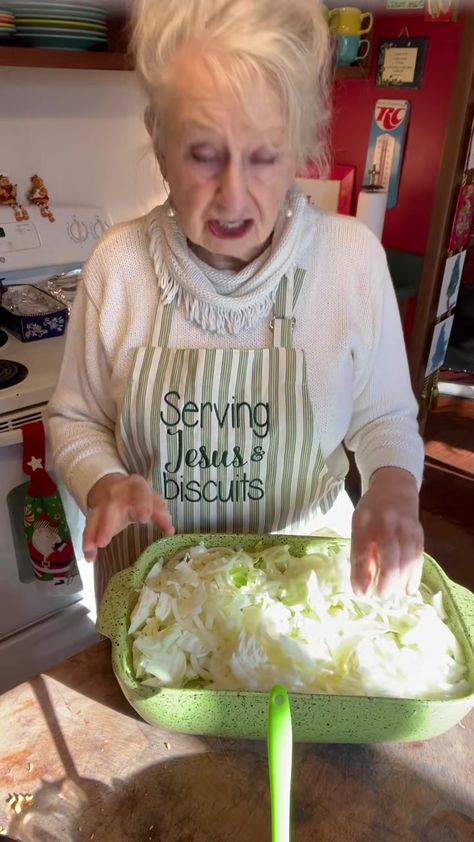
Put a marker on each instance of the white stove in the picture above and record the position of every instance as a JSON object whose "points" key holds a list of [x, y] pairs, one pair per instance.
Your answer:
{"points": [[37, 629], [42, 359]]}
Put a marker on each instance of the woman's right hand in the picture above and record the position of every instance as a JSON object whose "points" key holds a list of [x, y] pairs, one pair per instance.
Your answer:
{"points": [[116, 501]]}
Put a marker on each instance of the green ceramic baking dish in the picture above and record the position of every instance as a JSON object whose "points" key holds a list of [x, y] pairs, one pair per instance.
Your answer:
{"points": [[316, 718]]}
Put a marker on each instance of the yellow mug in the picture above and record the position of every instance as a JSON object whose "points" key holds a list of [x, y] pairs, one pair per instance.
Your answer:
{"points": [[349, 21]]}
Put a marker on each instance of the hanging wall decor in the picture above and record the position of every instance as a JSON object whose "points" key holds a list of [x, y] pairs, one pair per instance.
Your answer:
{"points": [[463, 218], [409, 5], [401, 62], [441, 11], [439, 345], [458, 243], [469, 165], [451, 282]]}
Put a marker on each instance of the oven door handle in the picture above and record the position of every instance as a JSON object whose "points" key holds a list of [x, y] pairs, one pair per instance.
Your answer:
{"points": [[11, 437], [12, 424]]}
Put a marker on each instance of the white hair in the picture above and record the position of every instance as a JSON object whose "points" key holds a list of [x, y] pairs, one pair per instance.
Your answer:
{"points": [[285, 42]]}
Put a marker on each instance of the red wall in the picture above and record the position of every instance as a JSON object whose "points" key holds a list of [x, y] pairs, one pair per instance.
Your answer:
{"points": [[407, 224]]}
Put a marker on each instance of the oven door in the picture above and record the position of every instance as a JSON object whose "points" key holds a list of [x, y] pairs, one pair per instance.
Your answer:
{"points": [[24, 602]]}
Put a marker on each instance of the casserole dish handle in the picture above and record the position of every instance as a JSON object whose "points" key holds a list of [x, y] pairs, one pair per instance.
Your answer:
{"points": [[116, 604], [463, 600]]}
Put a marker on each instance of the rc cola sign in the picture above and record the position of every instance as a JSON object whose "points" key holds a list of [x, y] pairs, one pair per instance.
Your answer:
{"points": [[387, 142]]}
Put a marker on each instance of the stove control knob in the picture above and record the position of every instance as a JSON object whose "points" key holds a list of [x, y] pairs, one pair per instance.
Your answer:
{"points": [[99, 227], [77, 230]]}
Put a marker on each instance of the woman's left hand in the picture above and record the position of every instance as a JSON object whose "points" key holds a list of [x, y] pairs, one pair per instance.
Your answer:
{"points": [[387, 536]]}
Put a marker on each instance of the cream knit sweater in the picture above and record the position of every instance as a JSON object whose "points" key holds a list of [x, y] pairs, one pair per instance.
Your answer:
{"points": [[347, 322]]}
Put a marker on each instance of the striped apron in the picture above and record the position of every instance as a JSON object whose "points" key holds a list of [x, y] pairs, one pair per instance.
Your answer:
{"points": [[226, 437]]}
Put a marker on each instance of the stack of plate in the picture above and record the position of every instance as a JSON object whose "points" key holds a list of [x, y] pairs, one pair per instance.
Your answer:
{"points": [[7, 25], [61, 26]]}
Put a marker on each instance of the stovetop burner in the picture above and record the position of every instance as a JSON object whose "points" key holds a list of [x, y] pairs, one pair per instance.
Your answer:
{"points": [[3, 337], [11, 373]]}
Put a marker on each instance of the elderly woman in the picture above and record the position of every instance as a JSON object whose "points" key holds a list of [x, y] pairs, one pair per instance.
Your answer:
{"points": [[223, 348]]}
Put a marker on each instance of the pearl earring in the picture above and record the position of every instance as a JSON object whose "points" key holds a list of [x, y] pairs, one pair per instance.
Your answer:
{"points": [[288, 213], [170, 211]]}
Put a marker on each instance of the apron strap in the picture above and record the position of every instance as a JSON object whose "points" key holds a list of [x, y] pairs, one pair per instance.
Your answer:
{"points": [[162, 324], [297, 284], [283, 321]]}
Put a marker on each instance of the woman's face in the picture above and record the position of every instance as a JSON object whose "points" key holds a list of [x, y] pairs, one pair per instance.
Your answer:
{"points": [[228, 169]]}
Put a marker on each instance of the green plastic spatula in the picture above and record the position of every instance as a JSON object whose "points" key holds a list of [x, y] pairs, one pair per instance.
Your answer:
{"points": [[280, 750]]}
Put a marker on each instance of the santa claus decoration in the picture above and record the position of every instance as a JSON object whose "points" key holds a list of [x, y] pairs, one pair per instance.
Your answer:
{"points": [[46, 530]]}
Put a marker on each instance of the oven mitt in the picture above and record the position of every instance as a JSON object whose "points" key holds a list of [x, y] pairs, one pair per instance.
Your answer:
{"points": [[46, 529]]}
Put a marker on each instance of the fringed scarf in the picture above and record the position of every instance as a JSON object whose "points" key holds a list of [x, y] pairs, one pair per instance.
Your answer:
{"points": [[244, 297]]}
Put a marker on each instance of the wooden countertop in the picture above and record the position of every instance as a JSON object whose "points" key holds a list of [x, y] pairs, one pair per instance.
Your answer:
{"points": [[98, 772]]}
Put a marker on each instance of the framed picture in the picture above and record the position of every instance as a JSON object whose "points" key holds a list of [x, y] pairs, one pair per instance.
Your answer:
{"points": [[401, 62]]}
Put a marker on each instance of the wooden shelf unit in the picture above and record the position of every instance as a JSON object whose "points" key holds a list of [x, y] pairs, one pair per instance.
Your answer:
{"points": [[117, 60], [359, 72], [116, 57], [65, 59]]}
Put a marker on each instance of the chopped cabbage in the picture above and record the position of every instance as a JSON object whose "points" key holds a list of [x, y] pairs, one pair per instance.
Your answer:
{"points": [[235, 620]]}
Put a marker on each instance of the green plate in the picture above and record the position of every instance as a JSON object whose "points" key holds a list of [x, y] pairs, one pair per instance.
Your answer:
{"points": [[50, 32], [54, 24], [50, 41], [316, 718], [60, 8]]}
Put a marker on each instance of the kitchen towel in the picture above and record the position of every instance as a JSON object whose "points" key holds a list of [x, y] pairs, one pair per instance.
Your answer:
{"points": [[46, 529]]}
